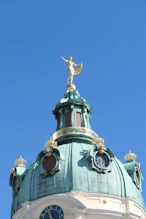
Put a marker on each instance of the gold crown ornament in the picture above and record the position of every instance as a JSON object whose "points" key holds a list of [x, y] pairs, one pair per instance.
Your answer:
{"points": [[101, 149], [130, 156], [50, 144], [100, 142], [20, 162]]}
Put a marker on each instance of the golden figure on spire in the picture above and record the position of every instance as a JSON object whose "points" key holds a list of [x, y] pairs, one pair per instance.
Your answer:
{"points": [[71, 69]]}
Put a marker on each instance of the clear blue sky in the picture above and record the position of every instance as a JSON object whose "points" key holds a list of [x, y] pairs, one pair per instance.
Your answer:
{"points": [[109, 37]]}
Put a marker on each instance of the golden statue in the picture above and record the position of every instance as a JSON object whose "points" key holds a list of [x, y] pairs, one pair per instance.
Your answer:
{"points": [[71, 69]]}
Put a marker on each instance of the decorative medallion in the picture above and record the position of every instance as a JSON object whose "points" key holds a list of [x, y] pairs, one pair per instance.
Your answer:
{"points": [[99, 156], [52, 212], [51, 160]]}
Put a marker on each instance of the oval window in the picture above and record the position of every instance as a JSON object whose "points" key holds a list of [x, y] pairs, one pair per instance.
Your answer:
{"points": [[49, 163], [102, 160]]}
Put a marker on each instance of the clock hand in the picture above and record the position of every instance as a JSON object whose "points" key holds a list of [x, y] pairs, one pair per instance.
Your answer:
{"points": [[50, 215]]}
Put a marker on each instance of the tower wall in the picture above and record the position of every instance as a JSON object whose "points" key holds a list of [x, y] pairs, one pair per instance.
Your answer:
{"points": [[80, 205]]}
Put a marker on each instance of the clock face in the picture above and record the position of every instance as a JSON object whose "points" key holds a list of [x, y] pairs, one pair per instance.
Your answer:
{"points": [[102, 160], [52, 212]]}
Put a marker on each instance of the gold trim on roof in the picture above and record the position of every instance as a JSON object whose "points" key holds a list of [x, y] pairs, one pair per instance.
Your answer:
{"points": [[74, 131]]}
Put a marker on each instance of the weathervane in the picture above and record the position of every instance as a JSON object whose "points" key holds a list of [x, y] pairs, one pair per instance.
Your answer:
{"points": [[73, 71]]}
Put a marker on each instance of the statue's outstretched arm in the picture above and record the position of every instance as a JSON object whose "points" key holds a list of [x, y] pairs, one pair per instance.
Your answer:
{"points": [[74, 64], [64, 59]]}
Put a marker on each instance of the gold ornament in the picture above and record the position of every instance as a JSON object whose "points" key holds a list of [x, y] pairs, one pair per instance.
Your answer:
{"points": [[101, 149], [49, 145], [95, 140], [100, 143], [71, 87], [20, 162], [130, 156], [73, 71]]}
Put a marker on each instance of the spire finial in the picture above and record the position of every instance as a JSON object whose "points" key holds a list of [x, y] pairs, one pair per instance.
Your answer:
{"points": [[73, 71]]}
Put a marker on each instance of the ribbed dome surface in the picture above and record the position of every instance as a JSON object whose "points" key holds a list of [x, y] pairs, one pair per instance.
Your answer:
{"points": [[76, 173]]}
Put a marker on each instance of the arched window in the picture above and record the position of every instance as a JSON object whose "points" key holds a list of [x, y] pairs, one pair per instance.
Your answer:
{"points": [[67, 119], [78, 119], [58, 119]]}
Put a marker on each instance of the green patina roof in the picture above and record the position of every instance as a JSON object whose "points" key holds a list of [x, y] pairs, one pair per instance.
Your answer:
{"points": [[76, 174], [75, 171]]}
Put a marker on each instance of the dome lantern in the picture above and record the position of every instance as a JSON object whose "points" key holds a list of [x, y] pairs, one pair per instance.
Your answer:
{"points": [[73, 118]]}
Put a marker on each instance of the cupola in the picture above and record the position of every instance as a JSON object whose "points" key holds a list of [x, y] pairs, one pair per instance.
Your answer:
{"points": [[73, 118]]}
